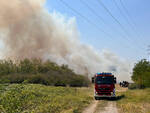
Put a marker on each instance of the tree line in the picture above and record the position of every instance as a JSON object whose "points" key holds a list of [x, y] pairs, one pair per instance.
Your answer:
{"points": [[141, 73], [37, 71]]}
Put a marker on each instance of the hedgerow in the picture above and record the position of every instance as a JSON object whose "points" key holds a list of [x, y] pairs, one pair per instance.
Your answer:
{"points": [[36, 71]]}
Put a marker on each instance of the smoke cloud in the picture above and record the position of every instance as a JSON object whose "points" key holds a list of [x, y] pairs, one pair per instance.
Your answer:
{"points": [[28, 30]]}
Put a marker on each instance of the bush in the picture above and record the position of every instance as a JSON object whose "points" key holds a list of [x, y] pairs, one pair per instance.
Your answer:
{"points": [[38, 79], [135, 86], [37, 72], [4, 80], [79, 81]]}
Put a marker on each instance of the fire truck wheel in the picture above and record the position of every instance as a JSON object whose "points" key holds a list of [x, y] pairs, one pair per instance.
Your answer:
{"points": [[96, 98], [113, 98]]}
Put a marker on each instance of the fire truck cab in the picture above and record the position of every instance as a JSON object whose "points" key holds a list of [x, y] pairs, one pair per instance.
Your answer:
{"points": [[104, 85]]}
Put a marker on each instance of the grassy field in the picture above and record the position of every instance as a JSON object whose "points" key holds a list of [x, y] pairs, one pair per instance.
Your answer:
{"points": [[21, 98], [27, 98], [135, 101]]}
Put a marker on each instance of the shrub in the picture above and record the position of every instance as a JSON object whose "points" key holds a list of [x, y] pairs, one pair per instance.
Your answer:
{"points": [[4, 80], [133, 86], [79, 81], [37, 72]]}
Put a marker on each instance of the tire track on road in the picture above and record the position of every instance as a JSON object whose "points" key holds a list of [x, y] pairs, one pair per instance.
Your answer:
{"points": [[91, 108]]}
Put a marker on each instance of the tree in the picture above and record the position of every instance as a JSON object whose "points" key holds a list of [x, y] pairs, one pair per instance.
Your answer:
{"points": [[141, 73]]}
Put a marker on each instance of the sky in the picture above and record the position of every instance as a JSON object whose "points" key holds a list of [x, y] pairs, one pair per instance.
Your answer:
{"points": [[129, 40]]}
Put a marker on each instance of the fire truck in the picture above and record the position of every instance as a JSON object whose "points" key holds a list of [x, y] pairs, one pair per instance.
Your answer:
{"points": [[104, 85]]}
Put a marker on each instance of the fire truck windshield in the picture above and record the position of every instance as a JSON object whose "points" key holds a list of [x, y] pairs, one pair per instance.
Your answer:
{"points": [[104, 80]]}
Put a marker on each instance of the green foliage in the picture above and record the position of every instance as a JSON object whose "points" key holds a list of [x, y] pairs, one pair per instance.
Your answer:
{"points": [[141, 73], [79, 81], [42, 99], [133, 86], [7, 67], [36, 71]]}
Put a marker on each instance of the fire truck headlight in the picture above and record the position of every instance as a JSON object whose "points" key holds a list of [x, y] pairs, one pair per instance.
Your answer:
{"points": [[111, 93], [96, 92]]}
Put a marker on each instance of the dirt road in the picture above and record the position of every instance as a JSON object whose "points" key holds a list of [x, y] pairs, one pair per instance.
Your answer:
{"points": [[104, 106], [109, 108], [91, 108]]}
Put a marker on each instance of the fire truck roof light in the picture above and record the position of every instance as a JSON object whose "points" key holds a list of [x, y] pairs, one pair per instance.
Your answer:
{"points": [[104, 73]]}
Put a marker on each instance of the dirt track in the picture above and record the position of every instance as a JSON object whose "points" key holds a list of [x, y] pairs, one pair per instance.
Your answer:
{"points": [[110, 106], [91, 108]]}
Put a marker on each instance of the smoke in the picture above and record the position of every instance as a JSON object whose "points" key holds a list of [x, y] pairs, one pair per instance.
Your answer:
{"points": [[28, 30]]}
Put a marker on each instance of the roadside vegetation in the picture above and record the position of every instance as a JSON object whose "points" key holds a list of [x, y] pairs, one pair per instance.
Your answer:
{"points": [[135, 101], [22, 98], [29, 86], [137, 98], [141, 74], [36, 71]]}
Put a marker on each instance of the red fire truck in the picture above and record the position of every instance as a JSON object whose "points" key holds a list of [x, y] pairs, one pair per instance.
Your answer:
{"points": [[104, 85]]}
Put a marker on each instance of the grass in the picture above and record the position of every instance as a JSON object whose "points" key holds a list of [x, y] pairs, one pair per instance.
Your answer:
{"points": [[27, 98], [135, 101]]}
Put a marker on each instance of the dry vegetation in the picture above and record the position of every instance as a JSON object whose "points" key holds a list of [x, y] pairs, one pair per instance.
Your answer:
{"points": [[135, 101]]}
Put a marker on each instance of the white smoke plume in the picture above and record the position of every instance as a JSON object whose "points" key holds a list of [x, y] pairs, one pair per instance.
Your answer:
{"points": [[28, 31]]}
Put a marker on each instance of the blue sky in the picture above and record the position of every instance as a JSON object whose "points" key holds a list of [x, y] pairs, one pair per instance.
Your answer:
{"points": [[131, 44]]}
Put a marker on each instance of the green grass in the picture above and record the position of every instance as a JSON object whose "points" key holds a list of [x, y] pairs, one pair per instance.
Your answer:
{"points": [[135, 101], [21, 98]]}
